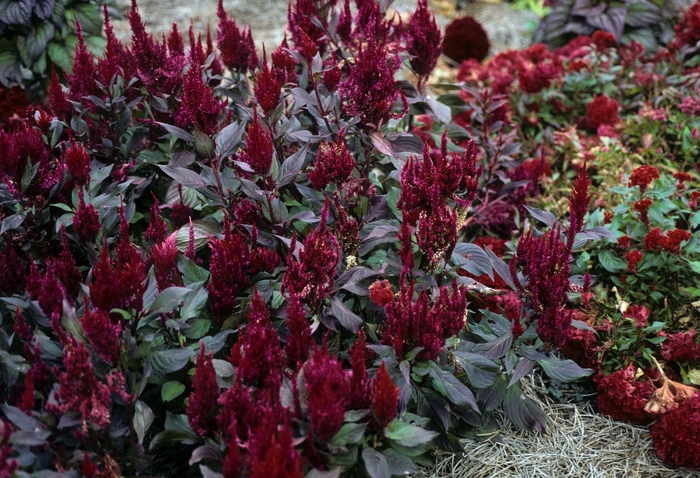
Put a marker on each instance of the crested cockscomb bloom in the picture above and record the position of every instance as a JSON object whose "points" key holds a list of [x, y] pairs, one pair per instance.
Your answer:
{"points": [[333, 165], [313, 273], [655, 240], [381, 293], [199, 107], [86, 221], [299, 338], [680, 346], [641, 207], [78, 163], [682, 178], [268, 86], [103, 334], [604, 40], [639, 314], [466, 39], [643, 176], [205, 393], [261, 360], [79, 389], [56, 98], [271, 450], [544, 261], [346, 229], [632, 257], [360, 393], [385, 397], [157, 231], [164, 258], [423, 42], [624, 241], [674, 239], [535, 78], [602, 110], [327, 394], [676, 435], [623, 398], [687, 29], [582, 346], [370, 90], [258, 152], [414, 323], [236, 46], [84, 75]]}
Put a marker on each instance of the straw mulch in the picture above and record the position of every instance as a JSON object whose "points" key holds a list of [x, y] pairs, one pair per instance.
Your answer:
{"points": [[578, 443]]}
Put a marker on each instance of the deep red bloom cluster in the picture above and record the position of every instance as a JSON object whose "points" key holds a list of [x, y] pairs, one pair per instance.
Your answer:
{"points": [[676, 435], [466, 39], [639, 314], [334, 163], [414, 323], [346, 229], [258, 153], [671, 242], [385, 397], [622, 397], [232, 265], [78, 163], [381, 293], [687, 29], [46, 288], [236, 46], [643, 176], [205, 393], [360, 392], [268, 84], [199, 106], [164, 257], [545, 262], [423, 42], [13, 270], [604, 40], [271, 450], [427, 185], [642, 208], [157, 231], [83, 78], [103, 333], [327, 394], [312, 274], [680, 346], [300, 21], [582, 347], [299, 339], [86, 221], [56, 98], [370, 91], [602, 111], [632, 257]]}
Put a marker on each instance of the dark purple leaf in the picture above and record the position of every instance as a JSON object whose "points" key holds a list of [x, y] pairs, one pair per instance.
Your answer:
{"points": [[377, 209], [183, 176], [347, 318], [456, 391], [481, 372], [523, 368], [178, 132], [495, 348], [522, 411], [544, 216], [375, 463], [501, 269], [229, 138], [563, 370], [291, 167], [472, 258]]}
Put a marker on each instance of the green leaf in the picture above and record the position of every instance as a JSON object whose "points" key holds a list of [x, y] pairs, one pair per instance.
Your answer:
{"points": [[171, 390], [204, 231], [349, 433], [481, 372], [38, 38], [610, 262], [169, 300], [399, 464], [375, 463], [194, 303], [143, 419], [166, 361], [408, 435]]}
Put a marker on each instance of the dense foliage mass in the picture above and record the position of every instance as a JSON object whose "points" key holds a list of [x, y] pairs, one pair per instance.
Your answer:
{"points": [[225, 265]]}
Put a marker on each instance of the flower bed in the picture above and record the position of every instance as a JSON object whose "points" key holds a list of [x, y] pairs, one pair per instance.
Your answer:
{"points": [[218, 265]]}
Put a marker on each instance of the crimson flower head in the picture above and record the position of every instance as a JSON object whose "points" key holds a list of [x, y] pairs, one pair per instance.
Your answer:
{"points": [[675, 434], [334, 163], [674, 239], [236, 46], [632, 257], [347, 229], [604, 40], [654, 240], [300, 21], [86, 221], [78, 163], [299, 339], [204, 396], [157, 231], [164, 258], [642, 208], [437, 233], [381, 293], [268, 85], [258, 153], [56, 98], [602, 111], [82, 80], [680, 346], [327, 394], [578, 204], [622, 397], [385, 397], [643, 176], [312, 275], [424, 40], [271, 451], [199, 107], [370, 91], [103, 333], [360, 386], [283, 63]]}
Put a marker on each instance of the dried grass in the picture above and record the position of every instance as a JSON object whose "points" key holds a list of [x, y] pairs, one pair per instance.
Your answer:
{"points": [[578, 443]]}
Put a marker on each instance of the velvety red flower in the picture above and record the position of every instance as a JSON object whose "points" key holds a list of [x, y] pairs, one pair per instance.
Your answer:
{"points": [[674, 239], [82, 80], [56, 98], [199, 106], [46, 288], [642, 208], [271, 450], [86, 221], [157, 231], [258, 153], [230, 258], [233, 463], [385, 397], [268, 84], [655, 240], [639, 314], [687, 29], [299, 339], [205, 393], [180, 212], [283, 64], [236, 46], [359, 389], [539, 76], [632, 257], [334, 163], [78, 163], [643, 176], [680, 346], [165, 257], [327, 394], [423, 41], [624, 241], [604, 40], [241, 411], [623, 398], [578, 205], [676, 435], [381, 293], [13, 270], [300, 21], [347, 229], [13, 105], [465, 39], [582, 347], [602, 110], [332, 74], [103, 334], [117, 59]]}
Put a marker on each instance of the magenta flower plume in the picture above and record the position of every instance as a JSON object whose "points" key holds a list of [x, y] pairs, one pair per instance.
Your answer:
{"points": [[360, 396], [176, 45], [205, 393], [300, 16], [327, 394], [268, 85], [334, 163], [117, 59], [103, 334], [347, 229], [385, 397], [271, 451], [424, 39], [157, 231], [578, 205], [199, 107], [56, 98], [86, 221], [299, 339], [165, 258], [283, 64], [312, 275], [82, 80], [370, 91], [78, 163], [258, 153], [236, 46]]}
